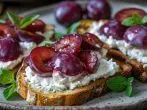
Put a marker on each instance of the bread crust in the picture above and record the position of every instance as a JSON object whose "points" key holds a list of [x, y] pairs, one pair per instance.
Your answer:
{"points": [[77, 96], [138, 71]]}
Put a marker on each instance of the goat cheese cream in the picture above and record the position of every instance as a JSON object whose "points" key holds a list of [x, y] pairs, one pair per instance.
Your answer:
{"points": [[134, 53], [59, 83]]}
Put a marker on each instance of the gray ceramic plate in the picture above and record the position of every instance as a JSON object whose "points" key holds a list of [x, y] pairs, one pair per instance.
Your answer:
{"points": [[111, 100]]}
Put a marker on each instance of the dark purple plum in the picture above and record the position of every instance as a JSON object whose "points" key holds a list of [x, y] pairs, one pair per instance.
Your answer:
{"points": [[127, 12], [136, 36], [67, 64], [7, 30], [36, 26], [70, 43], [113, 28], [91, 41], [26, 36], [98, 9], [9, 49], [68, 12], [38, 60], [90, 60]]}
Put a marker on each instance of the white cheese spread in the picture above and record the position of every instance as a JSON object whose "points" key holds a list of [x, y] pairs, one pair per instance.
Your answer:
{"points": [[11, 64], [124, 47], [27, 47], [59, 83]]}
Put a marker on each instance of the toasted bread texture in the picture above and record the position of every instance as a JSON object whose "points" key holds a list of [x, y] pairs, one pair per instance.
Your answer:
{"points": [[137, 67], [77, 96]]}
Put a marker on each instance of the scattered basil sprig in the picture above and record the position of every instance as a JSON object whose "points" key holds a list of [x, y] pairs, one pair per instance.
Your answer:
{"points": [[135, 19], [73, 28], [22, 23], [120, 83], [7, 79]]}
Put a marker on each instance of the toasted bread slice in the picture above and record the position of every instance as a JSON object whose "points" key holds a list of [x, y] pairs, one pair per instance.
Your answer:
{"points": [[137, 67], [74, 97]]}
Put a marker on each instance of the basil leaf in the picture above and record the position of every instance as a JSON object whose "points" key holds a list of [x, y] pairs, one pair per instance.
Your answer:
{"points": [[8, 92], [129, 91], [27, 21], [144, 20], [135, 19], [117, 84], [2, 21], [73, 28], [130, 80], [58, 35], [46, 43], [6, 77], [13, 18]]}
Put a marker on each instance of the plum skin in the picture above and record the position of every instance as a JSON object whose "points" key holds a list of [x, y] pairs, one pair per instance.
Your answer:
{"points": [[136, 36], [98, 9], [113, 28], [68, 12], [9, 49]]}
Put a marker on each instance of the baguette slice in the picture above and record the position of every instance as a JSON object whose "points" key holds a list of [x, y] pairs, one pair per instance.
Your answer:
{"points": [[137, 67], [77, 96]]}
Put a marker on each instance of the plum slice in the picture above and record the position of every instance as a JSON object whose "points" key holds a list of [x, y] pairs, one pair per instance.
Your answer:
{"points": [[68, 12], [98, 9], [38, 60], [7, 31], [67, 64], [36, 26], [136, 36], [113, 28], [90, 60], [9, 49], [91, 41], [127, 12], [26, 36], [70, 43]]}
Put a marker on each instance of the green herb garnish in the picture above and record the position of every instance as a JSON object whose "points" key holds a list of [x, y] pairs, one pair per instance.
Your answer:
{"points": [[58, 35], [135, 19], [120, 83], [7, 79], [22, 23], [46, 43], [73, 28], [13, 18], [27, 21]]}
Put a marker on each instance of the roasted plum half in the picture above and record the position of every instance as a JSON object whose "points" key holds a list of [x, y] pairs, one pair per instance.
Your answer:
{"points": [[26, 36], [136, 36], [113, 28], [91, 41], [70, 43], [98, 9], [38, 60], [90, 60], [36, 26], [67, 64], [127, 12], [9, 49], [68, 12], [7, 31]]}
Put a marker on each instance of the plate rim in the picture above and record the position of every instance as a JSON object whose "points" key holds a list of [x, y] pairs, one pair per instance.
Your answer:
{"points": [[112, 107]]}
